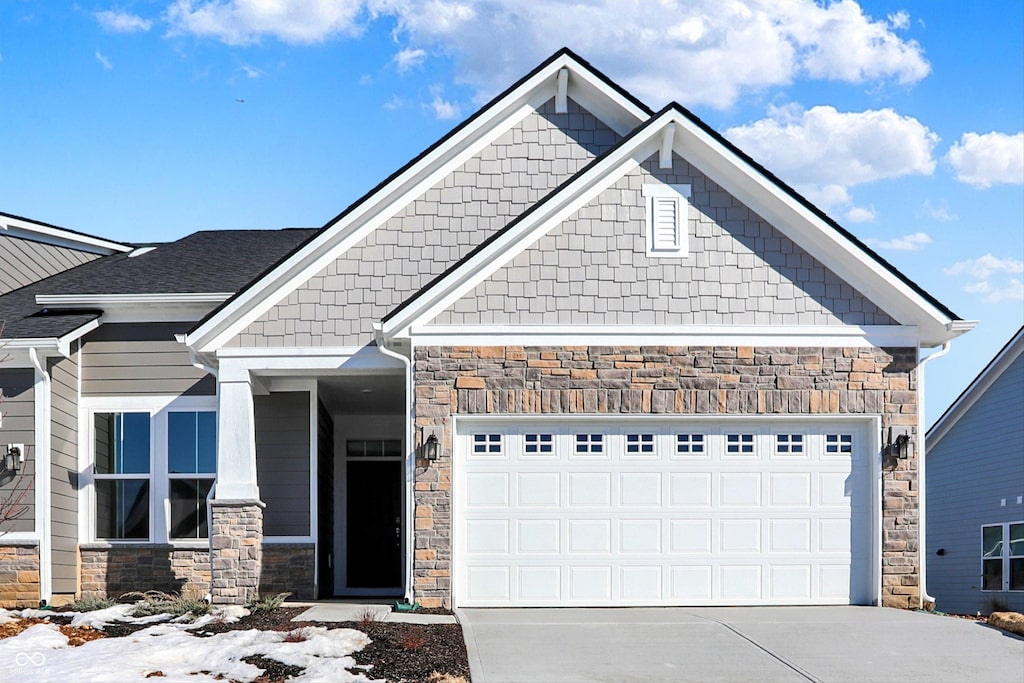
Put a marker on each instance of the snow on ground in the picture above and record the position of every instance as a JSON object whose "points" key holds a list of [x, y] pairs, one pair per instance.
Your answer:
{"points": [[41, 653]]}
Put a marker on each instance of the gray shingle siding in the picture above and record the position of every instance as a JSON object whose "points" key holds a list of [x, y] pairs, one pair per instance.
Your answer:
{"points": [[18, 407], [339, 305], [23, 261], [140, 359], [593, 269], [282, 462], [64, 472], [970, 471]]}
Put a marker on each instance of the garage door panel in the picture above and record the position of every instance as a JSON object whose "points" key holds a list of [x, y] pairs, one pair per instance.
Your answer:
{"points": [[677, 514]]}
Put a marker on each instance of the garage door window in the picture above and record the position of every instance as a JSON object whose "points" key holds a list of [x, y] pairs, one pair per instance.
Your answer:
{"points": [[639, 443], [739, 444], [789, 444], [690, 443], [487, 444], [1002, 557], [589, 443], [539, 444], [838, 444]]}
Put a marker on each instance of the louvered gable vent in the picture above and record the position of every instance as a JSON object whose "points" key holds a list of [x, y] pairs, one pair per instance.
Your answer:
{"points": [[666, 219]]}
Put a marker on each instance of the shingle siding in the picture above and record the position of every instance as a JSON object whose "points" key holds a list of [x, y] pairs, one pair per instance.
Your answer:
{"points": [[339, 305], [977, 465], [23, 262], [17, 387], [593, 269], [282, 462], [140, 359]]}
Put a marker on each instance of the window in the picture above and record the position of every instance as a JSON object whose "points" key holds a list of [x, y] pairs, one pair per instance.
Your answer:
{"points": [[1002, 557], [639, 443], [666, 219], [373, 448], [689, 443], [487, 444], [789, 444], [191, 469], [123, 463], [739, 443], [539, 443], [836, 444], [153, 467], [589, 443]]}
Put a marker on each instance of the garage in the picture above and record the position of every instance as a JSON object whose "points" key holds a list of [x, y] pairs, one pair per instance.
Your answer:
{"points": [[683, 511]]}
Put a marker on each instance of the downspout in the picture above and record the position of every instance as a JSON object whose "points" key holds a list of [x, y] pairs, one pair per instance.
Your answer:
{"points": [[921, 507], [410, 464], [42, 474]]}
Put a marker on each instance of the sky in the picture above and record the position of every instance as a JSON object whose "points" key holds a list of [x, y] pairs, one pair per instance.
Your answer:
{"points": [[146, 120]]}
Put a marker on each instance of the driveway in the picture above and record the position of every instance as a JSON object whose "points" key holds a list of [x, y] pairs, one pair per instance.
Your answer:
{"points": [[649, 645]]}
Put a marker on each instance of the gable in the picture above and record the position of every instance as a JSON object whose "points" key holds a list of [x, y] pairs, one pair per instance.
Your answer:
{"points": [[594, 269], [339, 305], [24, 261]]}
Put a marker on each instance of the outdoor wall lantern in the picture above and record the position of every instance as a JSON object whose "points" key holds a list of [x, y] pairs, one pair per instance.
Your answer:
{"points": [[13, 457], [901, 446], [431, 447]]}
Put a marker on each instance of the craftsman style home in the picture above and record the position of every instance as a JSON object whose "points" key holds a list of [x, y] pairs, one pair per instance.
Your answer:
{"points": [[577, 352]]}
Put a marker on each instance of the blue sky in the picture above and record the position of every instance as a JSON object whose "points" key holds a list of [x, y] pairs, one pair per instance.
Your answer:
{"points": [[146, 120]]}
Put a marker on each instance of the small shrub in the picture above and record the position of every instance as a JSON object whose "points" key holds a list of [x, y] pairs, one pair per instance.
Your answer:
{"points": [[998, 603], [158, 602], [89, 604], [266, 603], [367, 618], [295, 636], [413, 638]]}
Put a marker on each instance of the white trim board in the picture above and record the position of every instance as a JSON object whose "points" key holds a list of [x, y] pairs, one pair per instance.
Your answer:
{"points": [[667, 335], [736, 176], [589, 90], [34, 231]]}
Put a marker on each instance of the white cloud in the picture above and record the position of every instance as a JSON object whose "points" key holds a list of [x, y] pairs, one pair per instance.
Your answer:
{"points": [[104, 61], [913, 242], [860, 214], [241, 22], [939, 212], [394, 103], [409, 59], [443, 109], [123, 22], [984, 270], [699, 52], [989, 159], [251, 71]]}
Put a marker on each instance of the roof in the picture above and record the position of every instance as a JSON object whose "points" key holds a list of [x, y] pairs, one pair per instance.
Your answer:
{"points": [[976, 389], [208, 261]]}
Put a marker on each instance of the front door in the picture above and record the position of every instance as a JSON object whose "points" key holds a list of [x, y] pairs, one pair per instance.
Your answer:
{"points": [[374, 524]]}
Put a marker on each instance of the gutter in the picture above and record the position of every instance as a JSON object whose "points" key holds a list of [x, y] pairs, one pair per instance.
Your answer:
{"points": [[921, 488], [410, 464], [42, 477]]}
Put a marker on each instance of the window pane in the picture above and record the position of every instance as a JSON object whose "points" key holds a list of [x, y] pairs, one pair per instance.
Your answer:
{"points": [[122, 509], [192, 443], [188, 507], [122, 443], [1016, 540], [1017, 574], [992, 575], [992, 541]]}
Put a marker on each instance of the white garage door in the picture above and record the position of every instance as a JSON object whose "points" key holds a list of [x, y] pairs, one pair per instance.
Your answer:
{"points": [[638, 512]]}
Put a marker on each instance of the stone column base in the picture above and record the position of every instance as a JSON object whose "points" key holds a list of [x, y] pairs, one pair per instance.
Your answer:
{"points": [[236, 541]]}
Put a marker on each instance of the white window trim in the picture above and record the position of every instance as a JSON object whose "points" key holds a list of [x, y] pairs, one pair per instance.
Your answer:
{"points": [[655, 193], [1005, 557], [159, 488]]}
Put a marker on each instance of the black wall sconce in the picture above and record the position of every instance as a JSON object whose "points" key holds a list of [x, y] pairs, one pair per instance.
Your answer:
{"points": [[900, 446], [14, 455], [431, 448]]}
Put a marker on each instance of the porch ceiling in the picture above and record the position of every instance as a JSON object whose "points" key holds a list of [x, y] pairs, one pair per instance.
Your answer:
{"points": [[374, 394]]}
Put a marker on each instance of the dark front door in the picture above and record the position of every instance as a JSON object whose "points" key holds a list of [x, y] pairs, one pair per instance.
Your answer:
{"points": [[374, 524]]}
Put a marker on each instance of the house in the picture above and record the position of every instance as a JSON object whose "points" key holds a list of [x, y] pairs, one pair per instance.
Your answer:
{"points": [[577, 352], [975, 492]]}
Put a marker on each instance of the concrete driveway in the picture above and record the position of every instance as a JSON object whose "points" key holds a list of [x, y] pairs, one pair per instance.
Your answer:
{"points": [[649, 645]]}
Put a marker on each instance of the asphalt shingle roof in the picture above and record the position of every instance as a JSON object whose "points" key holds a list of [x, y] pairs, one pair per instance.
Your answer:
{"points": [[209, 261]]}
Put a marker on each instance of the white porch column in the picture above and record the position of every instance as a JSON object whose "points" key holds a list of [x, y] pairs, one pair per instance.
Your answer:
{"points": [[236, 435]]}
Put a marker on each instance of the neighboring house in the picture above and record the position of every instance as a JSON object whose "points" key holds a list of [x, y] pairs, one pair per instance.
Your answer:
{"points": [[975, 492], [574, 353]]}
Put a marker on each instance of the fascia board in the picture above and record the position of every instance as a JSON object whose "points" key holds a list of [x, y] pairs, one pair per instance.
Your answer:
{"points": [[100, 300], [992, 372], [350, 228], [58, 237], [806, 229]]}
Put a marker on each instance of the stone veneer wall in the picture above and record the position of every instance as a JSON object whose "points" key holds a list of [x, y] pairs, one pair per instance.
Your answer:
{"points": [[665, 380], [289, 568], [236, 550], [19, 575], [110, 570]]}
